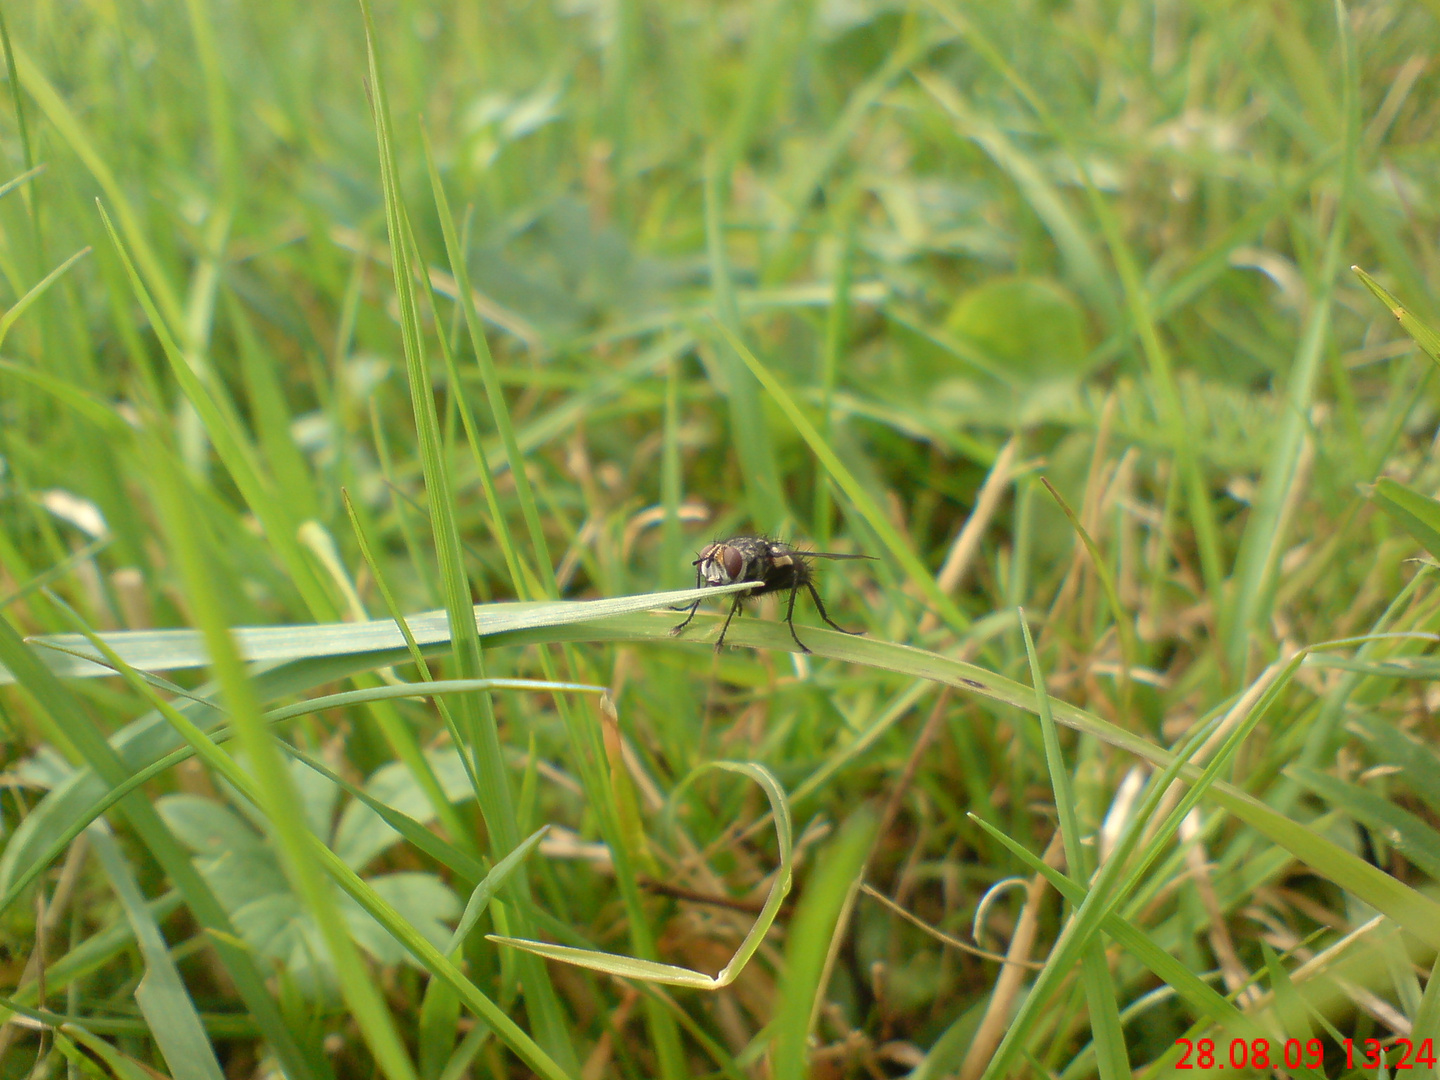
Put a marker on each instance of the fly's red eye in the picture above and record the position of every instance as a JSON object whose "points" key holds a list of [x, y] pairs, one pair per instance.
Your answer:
{"points": [[733, 561]]}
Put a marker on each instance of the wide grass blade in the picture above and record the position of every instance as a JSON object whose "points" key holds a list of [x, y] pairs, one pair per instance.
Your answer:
{"points": [[828, 891], [176, 650]]}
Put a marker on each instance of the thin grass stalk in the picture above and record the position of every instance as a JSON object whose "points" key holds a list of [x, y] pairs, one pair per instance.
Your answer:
{"points": [[476, 717]]}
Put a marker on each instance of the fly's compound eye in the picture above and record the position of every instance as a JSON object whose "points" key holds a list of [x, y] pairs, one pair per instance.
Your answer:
{"points": [[733, 561], [712, 564]]}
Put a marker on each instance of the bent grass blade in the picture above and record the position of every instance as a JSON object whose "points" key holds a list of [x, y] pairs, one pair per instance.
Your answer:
{"points": [[629, 967]]}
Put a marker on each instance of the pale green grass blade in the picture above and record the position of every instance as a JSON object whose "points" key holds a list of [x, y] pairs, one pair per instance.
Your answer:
{"points": [[480, 898], [784, 842], [621, 967], [15, 183], [161, 994], [36, 292], [175, 650]]}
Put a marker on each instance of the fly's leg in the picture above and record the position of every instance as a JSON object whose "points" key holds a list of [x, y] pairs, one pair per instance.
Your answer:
{"points": [[720, 641], [675, 630], [789, 617], [693, 607], [820, 607]]}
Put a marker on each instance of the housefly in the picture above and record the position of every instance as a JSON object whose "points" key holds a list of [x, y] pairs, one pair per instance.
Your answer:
{"points": [[776, 565]]}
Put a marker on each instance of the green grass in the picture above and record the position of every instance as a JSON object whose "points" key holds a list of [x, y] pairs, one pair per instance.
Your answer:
{"points": [[319, 318]]}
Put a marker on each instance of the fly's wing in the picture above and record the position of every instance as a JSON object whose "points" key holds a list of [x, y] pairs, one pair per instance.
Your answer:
{"points": [[832, 555]]}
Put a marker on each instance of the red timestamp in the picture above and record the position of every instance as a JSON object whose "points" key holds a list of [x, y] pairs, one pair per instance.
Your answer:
{"points": [[1293, 1054]]}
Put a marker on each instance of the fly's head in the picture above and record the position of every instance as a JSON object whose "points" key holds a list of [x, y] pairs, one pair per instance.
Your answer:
{"points": [[723, 564]]}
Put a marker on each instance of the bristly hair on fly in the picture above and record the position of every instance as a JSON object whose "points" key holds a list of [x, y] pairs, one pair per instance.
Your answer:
{"points": [[775, 564]]}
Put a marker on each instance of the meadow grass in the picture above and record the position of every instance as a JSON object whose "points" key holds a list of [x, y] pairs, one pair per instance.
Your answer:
{"points": [[324, 324]]}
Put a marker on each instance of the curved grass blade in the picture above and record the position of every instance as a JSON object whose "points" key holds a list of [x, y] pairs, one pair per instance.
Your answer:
{"points": [[629, 967]]}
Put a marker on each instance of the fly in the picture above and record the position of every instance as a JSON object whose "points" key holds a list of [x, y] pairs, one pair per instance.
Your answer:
{"points": [[776, 565]]}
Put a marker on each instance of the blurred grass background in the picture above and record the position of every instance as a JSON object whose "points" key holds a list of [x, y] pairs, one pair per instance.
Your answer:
{"points": [[970, 246]]}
